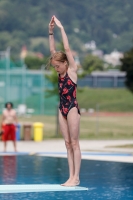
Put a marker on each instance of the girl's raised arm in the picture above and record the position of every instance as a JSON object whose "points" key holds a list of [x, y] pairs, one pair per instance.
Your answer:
{"points": [[67, 49], [51, 36]]}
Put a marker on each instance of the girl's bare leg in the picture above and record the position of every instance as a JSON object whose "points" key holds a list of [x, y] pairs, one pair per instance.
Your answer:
{"points": [[66, 135], [73, 120]]}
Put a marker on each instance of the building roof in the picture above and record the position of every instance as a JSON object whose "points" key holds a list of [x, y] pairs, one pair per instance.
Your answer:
{"points": [[111, 73]]}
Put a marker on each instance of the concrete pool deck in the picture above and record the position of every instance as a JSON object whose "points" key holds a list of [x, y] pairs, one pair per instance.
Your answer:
{"points": [[91, 149]]}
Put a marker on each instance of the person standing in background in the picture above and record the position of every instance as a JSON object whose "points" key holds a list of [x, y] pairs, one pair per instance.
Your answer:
{"points": [[9, 119]]}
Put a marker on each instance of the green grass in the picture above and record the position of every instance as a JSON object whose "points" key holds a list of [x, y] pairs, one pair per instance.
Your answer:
{"points": [[113, 100], [108, 127], [121, 146]]}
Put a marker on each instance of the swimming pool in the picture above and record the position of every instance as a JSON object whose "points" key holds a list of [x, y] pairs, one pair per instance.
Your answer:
{"points": [[105, 180]]}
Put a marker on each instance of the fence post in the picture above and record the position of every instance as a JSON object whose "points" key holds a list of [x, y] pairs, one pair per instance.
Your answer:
{"points": [[97, 119], [23, 84], [42, 99], [7, 74], [57, 121]]}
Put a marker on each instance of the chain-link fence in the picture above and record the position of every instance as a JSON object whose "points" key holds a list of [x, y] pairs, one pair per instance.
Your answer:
{"points": [[26, 89]]}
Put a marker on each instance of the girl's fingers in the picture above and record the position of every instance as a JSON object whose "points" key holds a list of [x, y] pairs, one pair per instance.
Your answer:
{"points": [[57, 21], [51, 24], [52, 20]]}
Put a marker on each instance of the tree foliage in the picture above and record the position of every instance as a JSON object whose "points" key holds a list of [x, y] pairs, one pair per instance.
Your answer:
{"points": [[53, 79], [33, 62], [92, 63], [107, 22], [127, 66]]}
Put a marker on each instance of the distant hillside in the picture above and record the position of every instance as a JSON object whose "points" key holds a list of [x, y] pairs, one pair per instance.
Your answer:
{"points": [[108, 22]]}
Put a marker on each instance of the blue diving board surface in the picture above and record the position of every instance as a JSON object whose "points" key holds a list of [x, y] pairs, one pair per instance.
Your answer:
{"points": [[38, 188]]}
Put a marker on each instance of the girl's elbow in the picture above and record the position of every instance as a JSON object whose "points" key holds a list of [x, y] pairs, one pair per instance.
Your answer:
{"points": [[52, 51]]}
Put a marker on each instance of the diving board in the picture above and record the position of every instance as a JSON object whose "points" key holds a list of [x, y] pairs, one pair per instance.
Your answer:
{"points": [[37, 188]]}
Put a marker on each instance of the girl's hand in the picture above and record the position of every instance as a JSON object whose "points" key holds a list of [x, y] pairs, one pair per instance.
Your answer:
{"points": [[58, 23], [51, 24]]}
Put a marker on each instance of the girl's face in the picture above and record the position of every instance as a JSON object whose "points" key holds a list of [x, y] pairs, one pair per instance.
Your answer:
{"points": [[60, 67]]}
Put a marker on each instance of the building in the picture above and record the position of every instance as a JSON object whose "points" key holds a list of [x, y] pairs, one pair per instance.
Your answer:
{"points": [[113, 58], [104, 79]]}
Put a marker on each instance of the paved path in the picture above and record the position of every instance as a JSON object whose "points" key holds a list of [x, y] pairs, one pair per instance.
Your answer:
{"points": [[91, 149]]}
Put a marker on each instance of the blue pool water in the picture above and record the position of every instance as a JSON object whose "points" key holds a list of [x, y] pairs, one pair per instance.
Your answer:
{"points": [[105, 180]]}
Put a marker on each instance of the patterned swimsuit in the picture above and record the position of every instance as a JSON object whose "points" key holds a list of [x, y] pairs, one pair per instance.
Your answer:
{"points": [[67, 92]]}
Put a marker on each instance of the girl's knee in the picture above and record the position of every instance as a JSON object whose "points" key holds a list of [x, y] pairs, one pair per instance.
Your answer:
{"points": [[68, 145], [75, 144]]}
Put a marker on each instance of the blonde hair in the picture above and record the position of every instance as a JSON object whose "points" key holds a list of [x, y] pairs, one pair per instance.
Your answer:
{"points": [[58, 56]]}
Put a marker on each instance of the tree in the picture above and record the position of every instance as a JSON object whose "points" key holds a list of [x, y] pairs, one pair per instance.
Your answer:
{"points": [[127, 66], [53, 79], [92, 63], [26, 23], [33, 62]]}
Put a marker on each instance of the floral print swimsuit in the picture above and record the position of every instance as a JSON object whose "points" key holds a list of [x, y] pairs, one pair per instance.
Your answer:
{"points": [[67, 92]]}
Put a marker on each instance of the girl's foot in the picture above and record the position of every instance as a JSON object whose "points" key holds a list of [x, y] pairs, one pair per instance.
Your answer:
{"points": [[74, 183], [71, 183], [67, 182]]}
